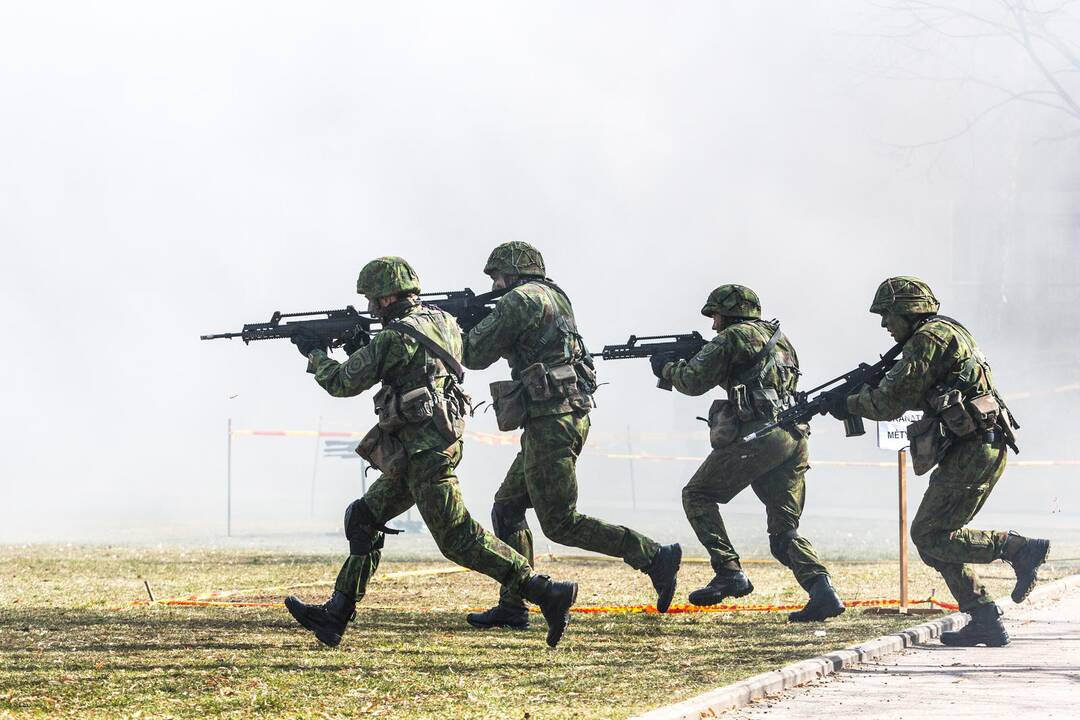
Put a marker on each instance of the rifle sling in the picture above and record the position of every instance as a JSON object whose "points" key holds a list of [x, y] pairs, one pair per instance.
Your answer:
{"points": [[433, 347]]}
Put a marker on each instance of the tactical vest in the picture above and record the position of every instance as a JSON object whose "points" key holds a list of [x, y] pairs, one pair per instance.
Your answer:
{"points": [[765, 385], [965, 399], [552, 371]]}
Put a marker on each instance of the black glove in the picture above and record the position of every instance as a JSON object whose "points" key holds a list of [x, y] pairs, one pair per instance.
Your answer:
{"points": [[307, 341], [358, 341], [659, 360], [834, 403]]}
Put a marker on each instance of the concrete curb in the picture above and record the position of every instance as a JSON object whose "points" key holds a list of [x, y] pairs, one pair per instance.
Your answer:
{"points": [[714, 702]]}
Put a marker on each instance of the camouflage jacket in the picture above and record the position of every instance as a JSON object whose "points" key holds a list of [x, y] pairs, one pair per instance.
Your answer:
{"points": [[398, 360], [728, 357], [533, 322], [941, 352]]}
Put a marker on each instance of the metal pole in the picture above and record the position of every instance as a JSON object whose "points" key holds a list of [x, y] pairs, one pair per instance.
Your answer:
{"points": [[901, 460], [633, 485], [315, 467], [228, 481]]}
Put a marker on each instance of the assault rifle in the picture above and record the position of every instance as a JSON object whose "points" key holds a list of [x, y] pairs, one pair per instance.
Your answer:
{"points": [[806, 407], [468, 307], [340, 326], [335, 326], [680, 346]]}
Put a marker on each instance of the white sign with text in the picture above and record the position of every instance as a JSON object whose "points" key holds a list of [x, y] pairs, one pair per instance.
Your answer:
{"points": [[892, 435]]}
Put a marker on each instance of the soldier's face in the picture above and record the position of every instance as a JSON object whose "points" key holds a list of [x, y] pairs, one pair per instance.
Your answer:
{"points": [[897, 325], [498, 281], [717, 322]]}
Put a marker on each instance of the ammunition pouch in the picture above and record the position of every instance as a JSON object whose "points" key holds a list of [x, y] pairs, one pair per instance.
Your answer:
{"points": [[386, 407], [416, 405], [724, 423], [384, 451], [550, 382], [759, 403], [448, 413], [929, 443], [508, 398]]}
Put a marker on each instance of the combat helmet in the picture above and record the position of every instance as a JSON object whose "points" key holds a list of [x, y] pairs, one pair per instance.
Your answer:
{"points": [[732, 301], [387, 276], [515, 258], [905, 296]]}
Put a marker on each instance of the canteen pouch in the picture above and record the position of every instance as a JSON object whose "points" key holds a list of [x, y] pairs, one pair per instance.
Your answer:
{"points": [[985, 411], [928, 443], [723, 423], [416, 406], [766, 403], [386, 407], [508, 397], [384, 451], [950, 407]]}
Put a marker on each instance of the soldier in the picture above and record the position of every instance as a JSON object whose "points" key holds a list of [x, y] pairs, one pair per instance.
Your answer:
{"points": [[965, 430], [550, 395], [757, 366], [417, 445]]}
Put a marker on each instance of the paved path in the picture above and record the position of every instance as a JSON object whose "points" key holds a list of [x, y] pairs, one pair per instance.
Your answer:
{"points": [[1036, 676]]}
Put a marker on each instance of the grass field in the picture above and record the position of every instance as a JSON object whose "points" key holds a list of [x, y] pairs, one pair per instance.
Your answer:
{"points": [[73, 644]]}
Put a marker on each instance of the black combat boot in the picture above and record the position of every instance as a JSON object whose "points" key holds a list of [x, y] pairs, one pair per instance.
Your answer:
{"points": [[1025, 561], [515, 617], [327, 621], [727, 583], [555, 599], [985, 628], [824, 602], [662, 572]]}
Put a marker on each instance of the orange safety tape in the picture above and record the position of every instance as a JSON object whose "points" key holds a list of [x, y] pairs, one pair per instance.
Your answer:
{"points": [[602, 609], [513, 439]]}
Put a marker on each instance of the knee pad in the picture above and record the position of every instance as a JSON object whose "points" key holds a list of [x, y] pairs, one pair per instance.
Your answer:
{"points": [[780, 543], [362, 529], [507, 519]]}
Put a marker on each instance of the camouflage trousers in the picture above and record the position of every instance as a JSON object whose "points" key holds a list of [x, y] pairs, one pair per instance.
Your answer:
{"points": [[774, 466], [543, 477], [431, 485], [958, 489]]}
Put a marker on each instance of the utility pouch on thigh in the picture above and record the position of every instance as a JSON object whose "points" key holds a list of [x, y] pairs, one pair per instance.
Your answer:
{"points": [[386, 407], [740, 401], [949, 406], [508, 397], [928, 443], [985, 411], [766, 403], [415, 406], [723, 423], [384, 451]]}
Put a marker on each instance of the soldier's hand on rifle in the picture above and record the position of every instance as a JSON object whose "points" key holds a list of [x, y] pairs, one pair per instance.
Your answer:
{"points": [[834, 402], [307, 341], [358, 341], [659, 360]]}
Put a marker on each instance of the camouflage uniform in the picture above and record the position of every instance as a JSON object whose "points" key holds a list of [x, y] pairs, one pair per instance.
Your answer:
{"points": [[429, 482], [941, 354], [421, 453], [774, 465], [534, 322]]}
